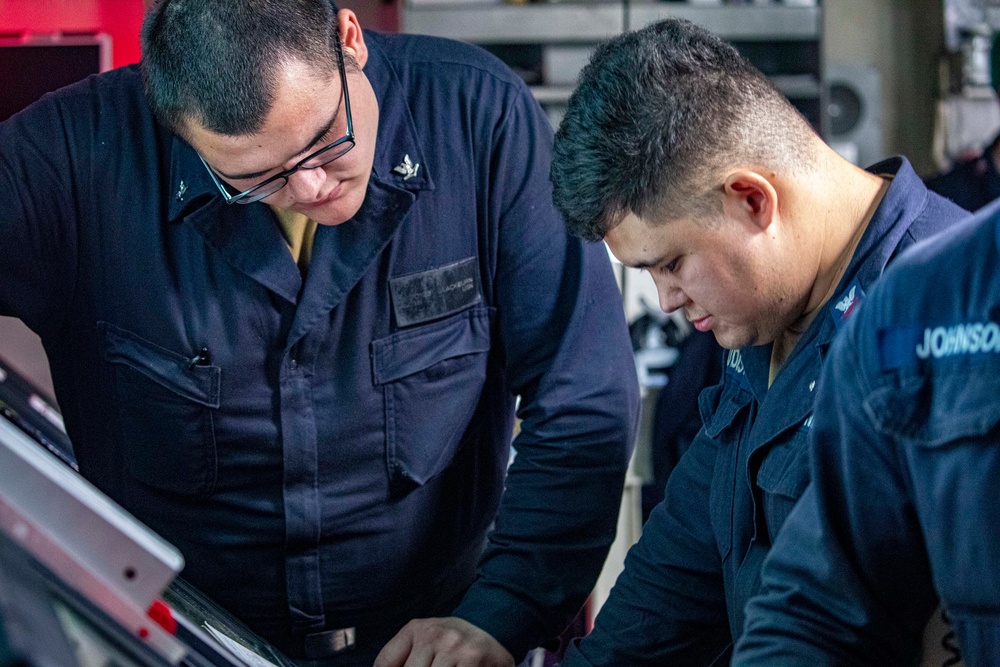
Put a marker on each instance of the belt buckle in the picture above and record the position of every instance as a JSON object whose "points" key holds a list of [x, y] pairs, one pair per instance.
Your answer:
{"points": [[329, 643]]}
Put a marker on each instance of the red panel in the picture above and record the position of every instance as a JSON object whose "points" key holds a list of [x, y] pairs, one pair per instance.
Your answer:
{"points": [[122, 19]]}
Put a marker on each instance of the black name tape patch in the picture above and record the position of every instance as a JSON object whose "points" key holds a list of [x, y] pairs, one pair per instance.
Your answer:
{"points": [[428, 295]]}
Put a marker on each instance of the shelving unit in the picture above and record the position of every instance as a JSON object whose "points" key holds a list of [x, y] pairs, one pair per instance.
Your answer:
{"points": [[516, 24], [736, 23], [782, 40], [595, 21]]}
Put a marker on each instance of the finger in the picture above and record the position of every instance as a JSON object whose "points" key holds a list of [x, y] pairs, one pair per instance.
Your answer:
{"points": [[395, 653], [444, 660], [421, 655]]}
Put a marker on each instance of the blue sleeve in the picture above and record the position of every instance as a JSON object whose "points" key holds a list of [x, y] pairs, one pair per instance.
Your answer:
{"points": [[567, 354], [668, 605], [847, 581], [38, 190]]}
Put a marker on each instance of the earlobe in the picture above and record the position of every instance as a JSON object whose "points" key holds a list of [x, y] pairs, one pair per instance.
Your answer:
{"points": [[753, 195], [352, 37]]}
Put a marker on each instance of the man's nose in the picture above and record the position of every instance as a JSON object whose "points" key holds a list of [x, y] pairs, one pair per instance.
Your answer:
{"points": [[305, 184], [671, 297]]}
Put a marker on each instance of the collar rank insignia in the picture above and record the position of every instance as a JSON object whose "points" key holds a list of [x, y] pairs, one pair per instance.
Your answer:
{"points": [[846, 303], [407, 169]]}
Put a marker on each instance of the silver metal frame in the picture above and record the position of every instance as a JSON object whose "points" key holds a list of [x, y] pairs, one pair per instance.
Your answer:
{"points": [[87, 540]]}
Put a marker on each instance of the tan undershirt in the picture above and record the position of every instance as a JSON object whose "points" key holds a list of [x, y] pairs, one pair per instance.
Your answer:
{"points": [[299, 232], [782, 348]]}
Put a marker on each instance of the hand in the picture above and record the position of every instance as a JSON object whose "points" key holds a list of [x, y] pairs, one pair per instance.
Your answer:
{"points": [[443, 642]]}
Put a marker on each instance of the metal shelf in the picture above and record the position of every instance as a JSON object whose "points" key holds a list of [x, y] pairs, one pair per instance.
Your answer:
{"points": [[800, 86], [516, 24], [797, 86], [736, 22], [588, 22], [552, 94], [568, 31]]}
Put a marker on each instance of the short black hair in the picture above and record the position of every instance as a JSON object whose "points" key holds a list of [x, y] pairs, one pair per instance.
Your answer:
{"points": [[214, 61], [657, 113]]}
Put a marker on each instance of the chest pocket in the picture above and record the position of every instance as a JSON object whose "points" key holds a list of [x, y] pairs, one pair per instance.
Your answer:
{"points": [[720, 407], [432, 378], [781, 479], [947, 421], [165, 413]]}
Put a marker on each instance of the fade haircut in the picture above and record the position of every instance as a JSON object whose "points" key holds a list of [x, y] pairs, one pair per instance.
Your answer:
{"points": [[658, 114], [216, 61]]}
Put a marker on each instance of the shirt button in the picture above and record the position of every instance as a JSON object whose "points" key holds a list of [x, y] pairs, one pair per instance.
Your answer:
{"points": [[293, 364], [812, 385]]}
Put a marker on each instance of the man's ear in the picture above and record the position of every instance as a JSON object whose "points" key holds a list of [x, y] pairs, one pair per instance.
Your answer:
{"points": [[749, 196], [351, 36]]}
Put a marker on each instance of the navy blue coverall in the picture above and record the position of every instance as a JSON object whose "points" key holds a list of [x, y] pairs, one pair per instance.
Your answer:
{"points": [[903, 511], [332, 454], [680, 599]]}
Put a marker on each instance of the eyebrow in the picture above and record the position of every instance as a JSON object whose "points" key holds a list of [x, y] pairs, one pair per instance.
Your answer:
{"points": [[319, 135]]}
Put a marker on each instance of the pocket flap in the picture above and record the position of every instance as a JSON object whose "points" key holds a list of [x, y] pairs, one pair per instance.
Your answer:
{"points": [[168, 369], [719, 406], [413, 350], [785, 469], [939, 405]]}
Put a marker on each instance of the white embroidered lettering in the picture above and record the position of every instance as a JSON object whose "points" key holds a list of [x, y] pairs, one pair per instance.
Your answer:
{"points": [[959, 339]]}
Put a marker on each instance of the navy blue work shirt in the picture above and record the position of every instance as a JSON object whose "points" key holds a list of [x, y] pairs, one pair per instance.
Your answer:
{"points": [[971, 184], [903, 510], [333, 455], [680, 599]]}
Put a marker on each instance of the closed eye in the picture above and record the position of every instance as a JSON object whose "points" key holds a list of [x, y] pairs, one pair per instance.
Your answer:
{"points": [[328, 135], [658, 266]]}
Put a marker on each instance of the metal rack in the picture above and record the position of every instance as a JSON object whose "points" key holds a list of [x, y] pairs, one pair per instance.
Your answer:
{"points": [[582, 22], [783, 40]]}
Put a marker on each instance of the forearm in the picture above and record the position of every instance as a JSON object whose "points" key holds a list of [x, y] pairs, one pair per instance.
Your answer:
{"points": [[668, 605], [556, 522]]}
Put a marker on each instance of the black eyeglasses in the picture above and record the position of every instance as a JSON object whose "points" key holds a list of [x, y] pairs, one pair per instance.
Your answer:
{"points": [[320, 158]]}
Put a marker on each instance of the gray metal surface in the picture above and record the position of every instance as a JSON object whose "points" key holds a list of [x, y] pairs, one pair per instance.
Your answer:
{"points": [[736, 22], [84, 538], [588, 22], [561, 63], [509, 24]]}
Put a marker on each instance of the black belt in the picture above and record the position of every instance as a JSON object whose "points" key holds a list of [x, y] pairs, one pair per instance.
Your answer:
{"points": [[349, 638], [364, 638]]}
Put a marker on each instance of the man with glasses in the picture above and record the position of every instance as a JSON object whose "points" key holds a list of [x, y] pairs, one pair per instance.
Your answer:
{"points": [[700, 171], [291, 277]]}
